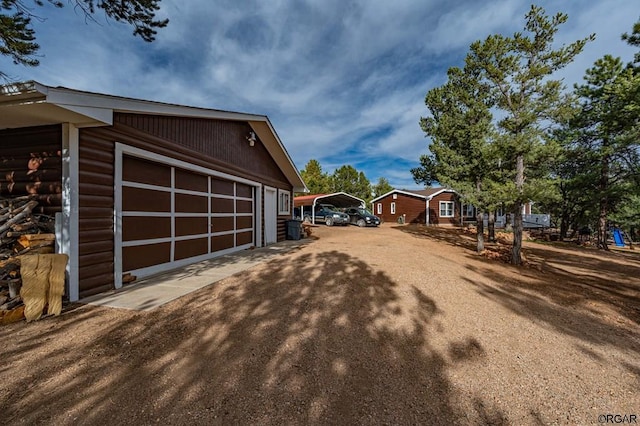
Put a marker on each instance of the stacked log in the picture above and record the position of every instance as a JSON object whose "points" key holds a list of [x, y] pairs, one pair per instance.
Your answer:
{"points": [[21, 233]]}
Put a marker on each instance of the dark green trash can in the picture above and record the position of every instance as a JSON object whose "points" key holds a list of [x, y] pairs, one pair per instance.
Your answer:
{"points": [[293, 229]]}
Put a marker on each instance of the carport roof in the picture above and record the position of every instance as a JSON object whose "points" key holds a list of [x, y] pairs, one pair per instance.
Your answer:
{"points": [[338, 199]]}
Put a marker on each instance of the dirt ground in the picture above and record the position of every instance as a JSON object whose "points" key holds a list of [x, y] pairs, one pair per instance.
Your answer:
{"points": [[389, 325]]}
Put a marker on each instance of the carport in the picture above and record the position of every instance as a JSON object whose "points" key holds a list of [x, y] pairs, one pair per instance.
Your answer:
{"points": [[337, 199]]}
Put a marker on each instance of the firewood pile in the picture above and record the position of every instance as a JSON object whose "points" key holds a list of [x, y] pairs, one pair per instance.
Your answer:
{"points": [[21, 233]]}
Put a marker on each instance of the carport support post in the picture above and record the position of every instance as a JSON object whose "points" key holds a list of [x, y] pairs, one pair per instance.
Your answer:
{"points": [[70, 203], [426, 216]]}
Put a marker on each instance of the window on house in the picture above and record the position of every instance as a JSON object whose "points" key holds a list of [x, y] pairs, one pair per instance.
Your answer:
{"points": [[379, 208], [468, 210], [446, 208], [395, 196], [284, 202], [393, 208]]}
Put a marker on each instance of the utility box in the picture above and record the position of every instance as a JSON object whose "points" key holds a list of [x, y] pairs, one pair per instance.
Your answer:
{"points": [[294, 229]]}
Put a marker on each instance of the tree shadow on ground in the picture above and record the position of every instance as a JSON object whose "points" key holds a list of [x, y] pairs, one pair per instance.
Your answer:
{"points": [[312, 339], [453, 236], [586, 294], [567, 275]]}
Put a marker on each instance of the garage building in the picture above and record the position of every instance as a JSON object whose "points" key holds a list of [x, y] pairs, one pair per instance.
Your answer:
{"points": [[143, 187]]}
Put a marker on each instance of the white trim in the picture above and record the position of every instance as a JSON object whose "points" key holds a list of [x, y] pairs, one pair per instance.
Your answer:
{"points": [[378, 208], [70, 205], [267, 216], [282, 212], [412, 194], [393, 207], [453, 209], [172, 250], [155, 269], [257, 210]]}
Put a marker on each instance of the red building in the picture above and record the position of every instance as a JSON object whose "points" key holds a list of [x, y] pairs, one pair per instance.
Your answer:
{"points": [[432, 206]]}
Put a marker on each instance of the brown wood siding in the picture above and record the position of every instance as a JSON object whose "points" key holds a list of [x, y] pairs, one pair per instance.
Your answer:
{"points": [[414, 208], [31, 163], [221, 140], [434, 210], [96, 251]]}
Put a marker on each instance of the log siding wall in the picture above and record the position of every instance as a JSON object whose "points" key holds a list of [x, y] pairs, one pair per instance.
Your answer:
{"points": [[31, 164], [96, 202]]}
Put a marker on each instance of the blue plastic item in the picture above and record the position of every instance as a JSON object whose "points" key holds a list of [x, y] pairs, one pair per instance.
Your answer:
{"points": [[617, 237]]}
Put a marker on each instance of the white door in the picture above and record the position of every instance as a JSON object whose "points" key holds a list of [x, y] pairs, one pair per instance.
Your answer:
{"points": [[270, 216]]}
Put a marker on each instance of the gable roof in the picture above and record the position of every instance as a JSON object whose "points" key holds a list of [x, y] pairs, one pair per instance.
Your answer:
{"points": [[338, 199], [425, 194], [34, 104]]}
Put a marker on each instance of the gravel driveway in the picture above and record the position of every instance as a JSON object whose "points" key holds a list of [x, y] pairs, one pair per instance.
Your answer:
{"points": [[389, 325]]}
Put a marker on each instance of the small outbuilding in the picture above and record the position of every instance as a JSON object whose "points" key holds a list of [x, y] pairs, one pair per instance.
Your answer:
{"points": [[431, 206], [142, 187], [306, 204]]}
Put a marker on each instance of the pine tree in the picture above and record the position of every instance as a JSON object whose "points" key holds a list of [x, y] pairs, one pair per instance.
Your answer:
{"points": [[17, 36], [518, 70]]}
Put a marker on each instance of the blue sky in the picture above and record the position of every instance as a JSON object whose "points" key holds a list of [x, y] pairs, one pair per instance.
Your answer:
{"points": [[342, 81]]}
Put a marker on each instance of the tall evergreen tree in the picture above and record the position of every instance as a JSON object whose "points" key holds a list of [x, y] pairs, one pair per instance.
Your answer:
{"points": [[316, 180], [348, 179], [18, 39], [518, 70], [382, 187], [608, 127], [460, 126]]}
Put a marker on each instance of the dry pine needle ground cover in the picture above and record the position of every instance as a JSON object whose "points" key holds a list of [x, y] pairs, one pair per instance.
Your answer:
{"points": [[389, 325]]}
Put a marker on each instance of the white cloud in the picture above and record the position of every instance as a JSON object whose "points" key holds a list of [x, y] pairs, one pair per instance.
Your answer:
{"points": [[343, 81]]}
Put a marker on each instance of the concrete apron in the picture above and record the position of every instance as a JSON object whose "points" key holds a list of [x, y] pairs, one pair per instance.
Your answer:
{"points": [[156, 290]]}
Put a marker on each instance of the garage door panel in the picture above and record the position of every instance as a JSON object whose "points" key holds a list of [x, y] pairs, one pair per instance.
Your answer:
{"points": [[191, 248], [222, 205], [222, 224], [244, 238], [139, 257], [171, 215], [222, 242], [245, 191], [145, 228], [144, 171], [244, 222], [186, 203], [243, 206], [145, 200], [191, 181], [191, 226], [223, 187]]}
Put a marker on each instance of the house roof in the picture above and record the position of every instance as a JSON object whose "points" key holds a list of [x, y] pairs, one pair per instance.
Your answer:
{"points": [[425, 194], [338, 199], [34, 104]]}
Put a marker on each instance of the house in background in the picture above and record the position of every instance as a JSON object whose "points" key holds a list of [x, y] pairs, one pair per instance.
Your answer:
{"points": [[143, 187], [431, 206]]}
